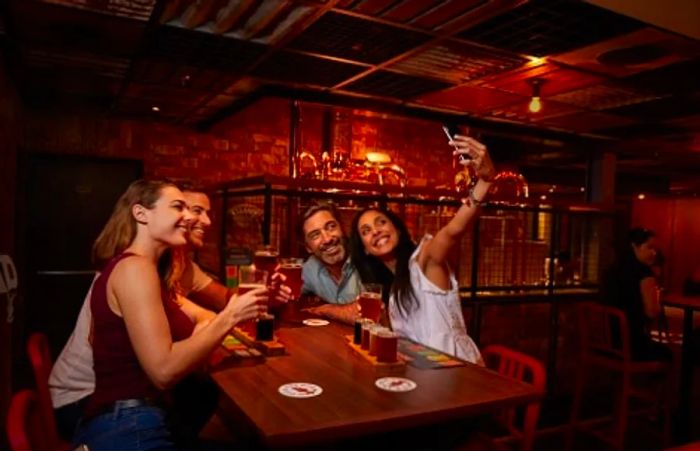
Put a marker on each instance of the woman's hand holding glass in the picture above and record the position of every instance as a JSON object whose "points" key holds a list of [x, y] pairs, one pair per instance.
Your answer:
{"points": [[247, 306]]}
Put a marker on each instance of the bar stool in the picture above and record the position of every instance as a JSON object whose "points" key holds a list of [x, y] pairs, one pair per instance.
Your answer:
{"points": [[604, 335]]}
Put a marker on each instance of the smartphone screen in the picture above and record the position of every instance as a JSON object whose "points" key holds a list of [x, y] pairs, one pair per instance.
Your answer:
{"points": [[451, 131]]}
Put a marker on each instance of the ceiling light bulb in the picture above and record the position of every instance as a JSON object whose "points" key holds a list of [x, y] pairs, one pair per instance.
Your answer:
{"points": [[641, 196], [155, 108], [535, 105]]}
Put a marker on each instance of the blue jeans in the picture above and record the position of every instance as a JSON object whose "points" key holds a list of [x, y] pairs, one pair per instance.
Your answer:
{"points": [[126, 429]]}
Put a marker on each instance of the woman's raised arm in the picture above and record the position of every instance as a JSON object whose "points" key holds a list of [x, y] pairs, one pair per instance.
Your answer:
{"points": [[437, 250]]}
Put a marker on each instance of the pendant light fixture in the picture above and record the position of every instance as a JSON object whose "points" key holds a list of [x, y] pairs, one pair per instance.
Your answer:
{"points": [[535, 105]]}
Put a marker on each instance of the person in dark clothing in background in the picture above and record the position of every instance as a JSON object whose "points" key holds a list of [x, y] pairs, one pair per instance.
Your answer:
{"points": [[630, 285]]}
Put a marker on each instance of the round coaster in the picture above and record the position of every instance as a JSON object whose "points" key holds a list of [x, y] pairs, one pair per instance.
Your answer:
{"points": [[396, 384], [315, 322], [300, 390]]}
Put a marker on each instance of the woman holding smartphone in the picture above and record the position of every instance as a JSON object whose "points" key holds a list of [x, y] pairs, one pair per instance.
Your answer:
{"points": [[423, 295]]}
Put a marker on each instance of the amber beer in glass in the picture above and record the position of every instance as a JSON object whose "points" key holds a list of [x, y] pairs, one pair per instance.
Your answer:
{"points": [[250, 278], [371, 301], [291, 268], [386, 346], [265, 259]]}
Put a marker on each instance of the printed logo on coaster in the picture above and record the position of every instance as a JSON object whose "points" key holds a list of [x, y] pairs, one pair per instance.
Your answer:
{"points": [[300, 390], [315, 322], [397, 384]]}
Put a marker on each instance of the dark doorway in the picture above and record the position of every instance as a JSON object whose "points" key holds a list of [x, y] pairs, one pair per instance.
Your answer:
{"points": [[64, 203]]}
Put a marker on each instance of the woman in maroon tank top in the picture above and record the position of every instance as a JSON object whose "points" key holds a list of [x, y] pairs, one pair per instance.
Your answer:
{"points": [[142, 339]]}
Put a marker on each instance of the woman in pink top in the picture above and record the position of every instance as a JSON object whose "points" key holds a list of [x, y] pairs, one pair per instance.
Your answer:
{"points": [[142, 334]]}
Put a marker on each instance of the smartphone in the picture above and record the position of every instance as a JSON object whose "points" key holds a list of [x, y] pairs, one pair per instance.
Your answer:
{"points": [[451, 131]]}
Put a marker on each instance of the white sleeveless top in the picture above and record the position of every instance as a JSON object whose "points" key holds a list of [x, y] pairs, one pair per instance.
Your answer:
{"points": [[436, 318]]}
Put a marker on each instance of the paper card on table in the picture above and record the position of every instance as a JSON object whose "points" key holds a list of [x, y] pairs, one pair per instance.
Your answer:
{"points": [[421, 356], [315, 322], [395, 384], [300, 390]]}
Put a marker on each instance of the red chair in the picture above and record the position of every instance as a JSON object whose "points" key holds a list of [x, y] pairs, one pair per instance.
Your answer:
{"points": [[25, 424], [604, 335], [525, 368], [40, 358]]}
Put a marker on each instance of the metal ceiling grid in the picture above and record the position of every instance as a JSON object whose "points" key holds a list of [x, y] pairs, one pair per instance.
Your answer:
{"points": [[547, 27], [428, 15], [355, 39], [390, 84], [603, 97], [587, 121], [300, 68], [457, 62], [196, 48]]}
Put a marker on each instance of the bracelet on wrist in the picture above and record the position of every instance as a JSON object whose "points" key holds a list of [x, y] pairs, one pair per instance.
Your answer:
{"points": [[472, 198]]}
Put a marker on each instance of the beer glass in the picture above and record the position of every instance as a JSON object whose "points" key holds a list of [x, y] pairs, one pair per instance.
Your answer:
{"points": [[291, 268], [265, 258], [250, 278], [371, 301]]}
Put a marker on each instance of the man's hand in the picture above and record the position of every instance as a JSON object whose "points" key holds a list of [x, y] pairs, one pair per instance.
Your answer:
{"points": [[346, 313], [279, 292]]}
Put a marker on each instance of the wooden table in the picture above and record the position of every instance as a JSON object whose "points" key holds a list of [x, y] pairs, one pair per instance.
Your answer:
{"points": [[350, 404], [689, 304]]}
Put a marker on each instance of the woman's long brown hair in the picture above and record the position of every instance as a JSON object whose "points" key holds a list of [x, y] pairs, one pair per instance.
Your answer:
{"points": [[120, 229]]}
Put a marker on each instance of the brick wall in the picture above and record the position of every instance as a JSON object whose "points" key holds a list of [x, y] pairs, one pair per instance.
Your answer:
{"points": [[246, 146]]}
